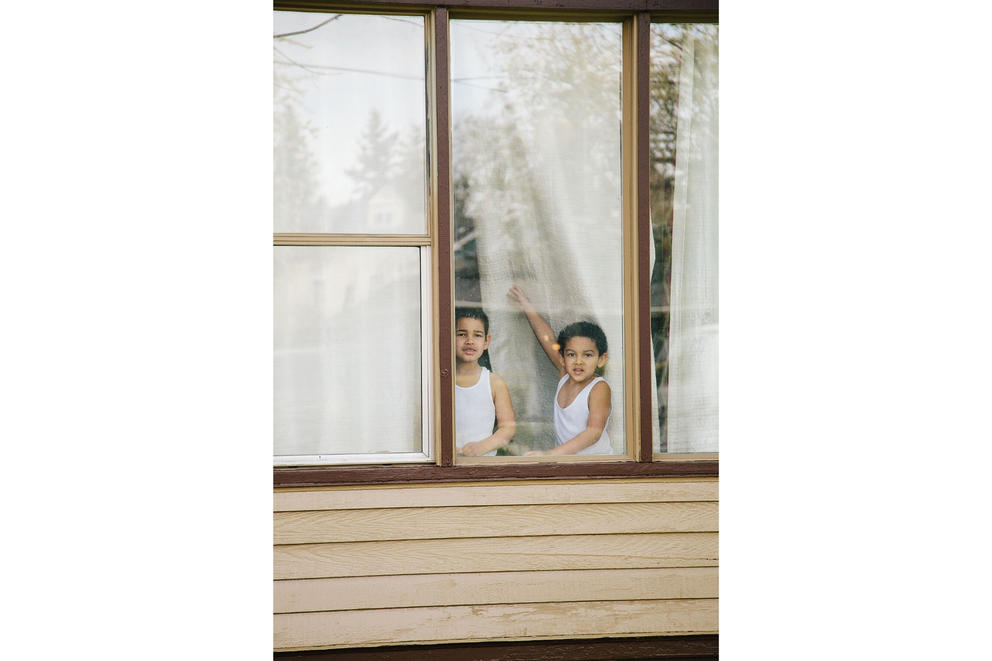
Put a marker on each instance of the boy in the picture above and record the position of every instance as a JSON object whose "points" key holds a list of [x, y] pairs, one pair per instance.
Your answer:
{"points": [[582, 399]]}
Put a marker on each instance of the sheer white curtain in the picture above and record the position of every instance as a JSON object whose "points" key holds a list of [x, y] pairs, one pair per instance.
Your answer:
{"points": [[539, 156], [694, 331]]}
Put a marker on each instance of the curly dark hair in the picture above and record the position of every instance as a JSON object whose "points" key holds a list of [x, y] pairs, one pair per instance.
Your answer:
{"points": [[582, 329]]}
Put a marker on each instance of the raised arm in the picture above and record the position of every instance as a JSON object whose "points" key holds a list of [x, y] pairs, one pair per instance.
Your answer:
{"points": [[542, 329]]}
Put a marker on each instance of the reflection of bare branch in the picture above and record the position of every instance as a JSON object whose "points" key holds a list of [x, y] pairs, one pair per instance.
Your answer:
{"points": [[404, 20], [319, 25], [305, 67], [672, 43], [461, 81], [288, 88], [465, 26], [326, 69]]}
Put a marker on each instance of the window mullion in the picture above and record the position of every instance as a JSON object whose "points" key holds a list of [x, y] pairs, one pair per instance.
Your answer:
{"points": [[440, 158], [637, 229], [645, 367]]}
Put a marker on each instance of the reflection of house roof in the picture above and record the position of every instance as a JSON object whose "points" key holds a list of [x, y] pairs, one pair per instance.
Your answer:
{"points": [[386, 210], [387, 191]]}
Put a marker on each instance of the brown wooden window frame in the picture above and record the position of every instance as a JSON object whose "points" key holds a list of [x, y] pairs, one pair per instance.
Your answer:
{"points": [[637, 16]]}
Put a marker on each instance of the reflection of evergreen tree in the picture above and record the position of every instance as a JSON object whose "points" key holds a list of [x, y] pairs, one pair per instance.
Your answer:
{"points": [[411, 166], [389, 177], [295, 193], [317, 140], [377, 162]]}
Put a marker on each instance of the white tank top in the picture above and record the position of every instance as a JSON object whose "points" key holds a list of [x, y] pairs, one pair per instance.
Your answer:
{"points": [[475, 412], [574, 418]]}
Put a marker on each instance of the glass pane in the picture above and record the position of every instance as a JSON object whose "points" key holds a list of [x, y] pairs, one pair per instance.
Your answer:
{"points": [[348, 347], [536, 113], [350, 113], [684, 219]]}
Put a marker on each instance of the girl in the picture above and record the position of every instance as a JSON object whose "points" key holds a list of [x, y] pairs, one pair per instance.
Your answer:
{"points": [[482, 399], [582, 399]]}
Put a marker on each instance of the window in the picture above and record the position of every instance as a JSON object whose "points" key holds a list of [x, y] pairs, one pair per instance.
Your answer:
{"points": [[353, 373], [350, 123], [536, 165], [426, 162], [335, 400], [683, 183]]}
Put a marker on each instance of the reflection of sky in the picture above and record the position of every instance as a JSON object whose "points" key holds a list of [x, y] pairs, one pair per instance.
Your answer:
{"points": [[345, 69], [475, 79], [477, 46], [357, 63], [478, 77]]}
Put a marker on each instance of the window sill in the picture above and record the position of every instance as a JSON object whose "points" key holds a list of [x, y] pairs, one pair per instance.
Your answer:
{"points": [[323, 476]]}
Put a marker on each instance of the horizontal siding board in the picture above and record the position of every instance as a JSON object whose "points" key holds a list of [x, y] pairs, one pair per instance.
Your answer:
{"points": [[332, 629], [495, 554], [485, 562], [603, 491], [365, 592], [492, 521]]}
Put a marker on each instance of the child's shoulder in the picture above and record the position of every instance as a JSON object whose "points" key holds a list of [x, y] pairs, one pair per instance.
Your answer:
{"points": [[497, 385]]}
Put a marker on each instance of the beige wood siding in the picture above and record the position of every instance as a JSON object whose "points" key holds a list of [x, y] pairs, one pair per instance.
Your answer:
{"points": [[483, 562]]}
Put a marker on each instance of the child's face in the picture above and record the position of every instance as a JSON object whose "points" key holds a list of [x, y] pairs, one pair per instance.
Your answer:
{"points": [[582, 359], [470, 340]]}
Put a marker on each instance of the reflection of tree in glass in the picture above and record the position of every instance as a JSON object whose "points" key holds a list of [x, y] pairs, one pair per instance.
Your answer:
{"points": [[295, 196], [295, 189], [390, 187], [560, 76], [536, 172], [552, 81], [545, 77], [376, 159], [322, 145]]}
